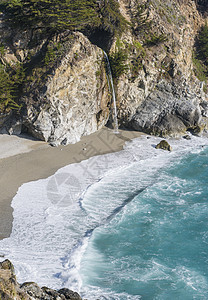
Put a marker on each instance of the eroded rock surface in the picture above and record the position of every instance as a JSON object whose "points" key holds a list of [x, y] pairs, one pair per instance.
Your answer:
{"points": [[159, 93], [11, 290], [165, 97]]}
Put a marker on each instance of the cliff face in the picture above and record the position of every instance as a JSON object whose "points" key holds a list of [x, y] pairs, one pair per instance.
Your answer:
{"points": [[73, 101], [165, 97], [65, 94]]}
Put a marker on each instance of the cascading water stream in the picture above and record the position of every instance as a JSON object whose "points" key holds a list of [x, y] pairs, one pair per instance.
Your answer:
{"points": [[111, 87]]}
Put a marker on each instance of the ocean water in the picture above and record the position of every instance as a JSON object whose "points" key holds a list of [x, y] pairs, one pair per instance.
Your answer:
{"points": [[126, 225]]}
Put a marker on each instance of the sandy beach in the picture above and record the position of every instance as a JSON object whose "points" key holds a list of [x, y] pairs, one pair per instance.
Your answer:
{"points": [[23, 159]]}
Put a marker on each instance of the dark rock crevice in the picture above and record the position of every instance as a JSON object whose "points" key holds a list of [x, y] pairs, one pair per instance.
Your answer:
{"points": [[202, 6], [100, 37]]}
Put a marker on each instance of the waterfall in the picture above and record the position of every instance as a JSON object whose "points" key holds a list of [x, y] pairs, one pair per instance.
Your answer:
{"points": [[202, 88], [111, 88]]}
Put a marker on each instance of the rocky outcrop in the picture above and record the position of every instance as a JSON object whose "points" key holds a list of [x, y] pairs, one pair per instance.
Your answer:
{"points": [[10, 289], [35, 292], [66, 93], [74, 100], [164, 145], [166, 112], [165, 97]]}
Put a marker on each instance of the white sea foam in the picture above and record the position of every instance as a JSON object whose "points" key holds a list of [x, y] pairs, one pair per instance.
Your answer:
{"points": [[192, 279], [55, 217]]}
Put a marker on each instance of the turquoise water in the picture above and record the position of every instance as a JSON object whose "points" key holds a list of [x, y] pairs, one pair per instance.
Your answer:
{"points": [[155, 246], [122, 226]]}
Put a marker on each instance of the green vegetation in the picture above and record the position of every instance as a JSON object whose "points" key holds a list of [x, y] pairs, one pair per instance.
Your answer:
{"points": [[138, 53], [53, 52], [156, 40], [59, 15], [140, 19], [169, 12], [5, 88], [118, 63], [37, 68], [202, 45], [200, 55], [53, 15], [133, 53], [10, 81], [111, 18], [143, 26], [118, 60], [16, 77], [47, 18], [200, 69]]}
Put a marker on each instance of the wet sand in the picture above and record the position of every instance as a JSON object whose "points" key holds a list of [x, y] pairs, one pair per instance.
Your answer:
{"points": [[23, 160]]}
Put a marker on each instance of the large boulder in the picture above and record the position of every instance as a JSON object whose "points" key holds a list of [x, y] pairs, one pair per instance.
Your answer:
{"points": [[68, 294], [164, 145]]}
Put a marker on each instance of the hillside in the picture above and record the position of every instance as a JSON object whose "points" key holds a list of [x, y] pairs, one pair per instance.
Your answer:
{"points": [[53, 72]]}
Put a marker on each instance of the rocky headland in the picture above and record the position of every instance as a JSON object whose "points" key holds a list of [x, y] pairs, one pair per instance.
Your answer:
{"points": [[62, 91]]}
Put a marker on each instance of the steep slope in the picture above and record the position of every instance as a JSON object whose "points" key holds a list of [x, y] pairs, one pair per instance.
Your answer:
{"points": [[64, 93], [72, 101], [165, 97]]}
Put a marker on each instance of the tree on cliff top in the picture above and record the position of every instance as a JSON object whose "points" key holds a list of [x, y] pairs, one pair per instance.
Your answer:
{"points": [[51, 14], [59, 15]]}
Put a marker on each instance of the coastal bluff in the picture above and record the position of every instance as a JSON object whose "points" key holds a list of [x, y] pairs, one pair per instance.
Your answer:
{"points": [[61, 91], [10, 289]]}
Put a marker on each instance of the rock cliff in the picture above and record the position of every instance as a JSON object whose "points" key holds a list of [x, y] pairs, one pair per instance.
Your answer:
{"points": [[65, 93], [65, 97], [165, 97], [73, 101]]}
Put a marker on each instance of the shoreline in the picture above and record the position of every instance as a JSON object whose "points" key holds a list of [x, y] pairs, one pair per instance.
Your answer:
{"points": [[34, 160]]}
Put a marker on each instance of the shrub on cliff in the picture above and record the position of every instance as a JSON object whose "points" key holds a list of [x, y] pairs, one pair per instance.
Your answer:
{"points": [[200, 55], [140, 19], [10, 81], [111, 18], [202, 44], [118, 62]]}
